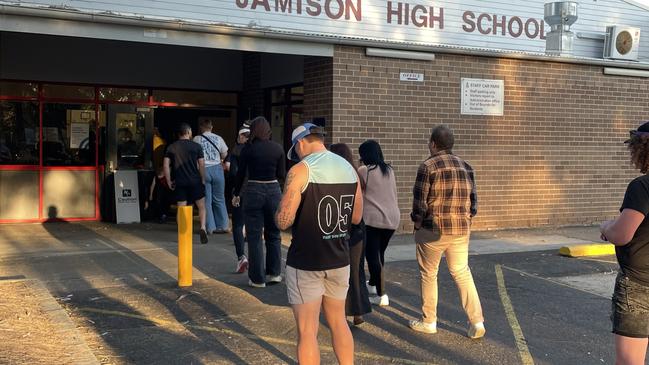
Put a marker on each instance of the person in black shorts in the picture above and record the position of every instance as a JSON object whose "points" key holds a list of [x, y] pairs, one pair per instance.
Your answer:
{"points": [[184, 168], [629, 232]]}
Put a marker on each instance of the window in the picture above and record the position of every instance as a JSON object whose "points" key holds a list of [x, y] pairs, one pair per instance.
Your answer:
{"points": [[285, 111], [20, 89], [69, 92], [123, 95], [19, 133], [69, 134]]}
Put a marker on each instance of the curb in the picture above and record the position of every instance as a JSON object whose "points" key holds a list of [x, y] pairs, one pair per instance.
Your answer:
{"points": [[593, 249]]}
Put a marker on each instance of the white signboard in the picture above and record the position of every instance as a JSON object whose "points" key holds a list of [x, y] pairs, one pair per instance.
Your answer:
{"points": [[490, 24], [127, 202], [409, 76], [483, 97], [79, 133]]}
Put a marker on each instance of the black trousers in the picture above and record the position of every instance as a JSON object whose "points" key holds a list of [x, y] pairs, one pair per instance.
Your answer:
{"points": [[358, 300], [377, 242]]}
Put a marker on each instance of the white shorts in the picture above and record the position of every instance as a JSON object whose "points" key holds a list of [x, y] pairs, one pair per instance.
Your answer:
{"points": [[305, 286]]}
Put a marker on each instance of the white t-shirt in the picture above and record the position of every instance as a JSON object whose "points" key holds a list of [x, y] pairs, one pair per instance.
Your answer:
{"points": [[212, 155]]}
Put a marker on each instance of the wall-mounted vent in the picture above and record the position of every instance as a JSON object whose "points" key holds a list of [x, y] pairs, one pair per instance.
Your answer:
{"points": [[560, 16], [622, 43]]}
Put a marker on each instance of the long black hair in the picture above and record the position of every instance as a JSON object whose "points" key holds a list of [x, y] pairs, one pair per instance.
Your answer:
{"points": [[371, 154]]}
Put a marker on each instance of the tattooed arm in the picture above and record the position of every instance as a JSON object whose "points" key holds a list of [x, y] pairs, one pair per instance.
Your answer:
{"points": [[295, 182]]}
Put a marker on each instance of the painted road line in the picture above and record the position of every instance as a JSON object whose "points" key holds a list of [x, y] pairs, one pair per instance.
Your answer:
{"points": [[556, 282], [521, 343], [594, 249], [177, 326]]}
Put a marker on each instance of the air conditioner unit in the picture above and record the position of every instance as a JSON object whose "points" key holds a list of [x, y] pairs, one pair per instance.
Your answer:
{"points": [[622, 43]]}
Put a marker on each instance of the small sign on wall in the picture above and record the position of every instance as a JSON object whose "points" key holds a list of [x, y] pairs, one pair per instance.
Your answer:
{"points": [[411, 76], [483, 97]]}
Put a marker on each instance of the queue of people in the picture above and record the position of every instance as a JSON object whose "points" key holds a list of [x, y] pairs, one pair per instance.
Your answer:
{"points": [[341, 215]]}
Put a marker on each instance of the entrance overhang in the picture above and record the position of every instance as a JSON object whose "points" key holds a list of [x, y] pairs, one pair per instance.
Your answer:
{"points": [[124, 29]]}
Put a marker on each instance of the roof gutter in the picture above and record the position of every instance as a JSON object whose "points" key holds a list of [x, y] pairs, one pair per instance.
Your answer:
{"points": [[139, 21]]}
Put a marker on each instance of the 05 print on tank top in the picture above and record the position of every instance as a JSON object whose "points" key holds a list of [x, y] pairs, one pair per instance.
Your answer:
{"points": [[334, 215]]}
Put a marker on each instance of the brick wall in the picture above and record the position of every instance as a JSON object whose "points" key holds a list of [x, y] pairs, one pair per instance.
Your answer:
{"points": [[318, 89], [555, 158], [252, 96]]}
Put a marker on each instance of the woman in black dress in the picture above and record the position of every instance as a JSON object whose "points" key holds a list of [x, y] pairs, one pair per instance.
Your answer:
{"points": [[358, 302]]}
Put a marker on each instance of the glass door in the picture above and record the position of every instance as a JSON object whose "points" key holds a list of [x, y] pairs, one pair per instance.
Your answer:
{"points": [[285, 104]]}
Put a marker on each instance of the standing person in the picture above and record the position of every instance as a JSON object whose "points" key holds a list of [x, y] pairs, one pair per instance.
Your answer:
{"points": [[444, 202], [158, 200], [629, 232], [381, 214], [215, 150], [358, 300], [185, 162], [159, 146], [321, 200], [237, 212], [264, 162]]}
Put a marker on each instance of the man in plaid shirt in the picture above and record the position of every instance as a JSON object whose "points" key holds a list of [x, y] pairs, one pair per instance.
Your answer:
{"points": [[444, 201]]}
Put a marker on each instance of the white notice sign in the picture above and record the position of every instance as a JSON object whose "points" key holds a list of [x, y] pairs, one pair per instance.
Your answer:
{"points": [[79, 133], [411, 76], [483, 97], [127, 202]]}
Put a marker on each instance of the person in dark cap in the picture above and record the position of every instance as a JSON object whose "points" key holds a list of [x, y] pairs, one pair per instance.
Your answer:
{"points": [[629, 232]]}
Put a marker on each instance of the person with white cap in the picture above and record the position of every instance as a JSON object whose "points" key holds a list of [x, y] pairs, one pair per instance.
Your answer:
{"points": [[237, 212], [322, 198]]}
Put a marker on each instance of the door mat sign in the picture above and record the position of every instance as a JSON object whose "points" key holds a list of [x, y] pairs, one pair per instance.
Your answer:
{"points": [[482, 97]]}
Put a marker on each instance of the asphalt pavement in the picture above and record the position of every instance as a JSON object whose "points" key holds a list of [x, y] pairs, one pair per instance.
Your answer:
{"points": [[118, 285]]}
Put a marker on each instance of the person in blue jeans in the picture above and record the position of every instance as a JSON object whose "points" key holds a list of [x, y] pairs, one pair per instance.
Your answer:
{"points": [[264, 162], [215, 150]]}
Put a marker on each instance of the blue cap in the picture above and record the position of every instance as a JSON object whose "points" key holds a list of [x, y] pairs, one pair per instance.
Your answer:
{"points": [[300, 132]]}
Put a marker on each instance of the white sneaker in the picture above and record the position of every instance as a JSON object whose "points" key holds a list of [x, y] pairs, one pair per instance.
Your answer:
{"points": [[421, 326], [476, 330], [255, 285], [274, 279], [382, 300], [371, 288], [242, 265]]}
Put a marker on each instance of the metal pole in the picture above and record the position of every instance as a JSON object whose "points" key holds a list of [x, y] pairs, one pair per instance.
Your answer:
{"points": [[185, 218]]}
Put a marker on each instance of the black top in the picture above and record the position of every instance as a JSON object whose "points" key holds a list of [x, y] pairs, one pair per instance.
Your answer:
{"points": [[184, 155], [263, 160], [634, 256], [233, 159]]}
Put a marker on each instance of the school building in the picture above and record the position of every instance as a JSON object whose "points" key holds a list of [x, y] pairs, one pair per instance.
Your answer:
{"points": [[540, 95]]}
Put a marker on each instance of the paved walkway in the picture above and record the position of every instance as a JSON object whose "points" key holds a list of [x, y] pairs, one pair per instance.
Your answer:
{"points": [[118, 286]]}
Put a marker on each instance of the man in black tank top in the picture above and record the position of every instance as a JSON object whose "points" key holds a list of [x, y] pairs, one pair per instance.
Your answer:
{"points": [[322, 198]]}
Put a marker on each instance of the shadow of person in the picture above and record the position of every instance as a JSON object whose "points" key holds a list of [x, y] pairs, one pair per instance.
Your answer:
{"points": [[53, 214]]}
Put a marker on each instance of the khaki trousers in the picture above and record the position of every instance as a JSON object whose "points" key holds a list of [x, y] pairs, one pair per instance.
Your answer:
{"points": [[456, 249]]}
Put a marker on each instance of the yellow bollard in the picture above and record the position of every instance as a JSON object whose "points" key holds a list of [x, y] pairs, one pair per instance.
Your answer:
{"points": [[185, 219]]}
